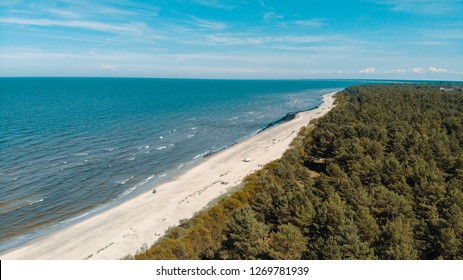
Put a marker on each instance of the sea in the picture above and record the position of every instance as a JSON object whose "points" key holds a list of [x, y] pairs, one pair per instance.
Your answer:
{"points": [[71, 148]]}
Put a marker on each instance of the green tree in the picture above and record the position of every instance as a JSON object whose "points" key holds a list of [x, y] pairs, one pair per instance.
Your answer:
{"points": [[244, 236], [288, 243]]}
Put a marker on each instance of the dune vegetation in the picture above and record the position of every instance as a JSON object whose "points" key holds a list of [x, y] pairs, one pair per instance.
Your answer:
{"points": [[379, 177]]}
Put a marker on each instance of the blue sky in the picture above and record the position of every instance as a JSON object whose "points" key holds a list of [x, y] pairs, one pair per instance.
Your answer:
{"points": [[286, 39]]}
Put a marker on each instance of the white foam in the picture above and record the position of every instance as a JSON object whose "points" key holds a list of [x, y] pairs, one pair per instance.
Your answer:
{"points": [[146, 147], [85, 214], [35, 201], [162, 147], [121, 182], [126, 192], [162, 175]]}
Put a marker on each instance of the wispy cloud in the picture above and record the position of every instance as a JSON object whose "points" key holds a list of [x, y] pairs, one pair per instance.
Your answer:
{"points": [[217, 4], [208, 24], [395, 71], [256, 40], [417, 70], [428, 7], [433, 69], [64, 13], [90, 25], [313, 23], [369, 70], [270, 16]]}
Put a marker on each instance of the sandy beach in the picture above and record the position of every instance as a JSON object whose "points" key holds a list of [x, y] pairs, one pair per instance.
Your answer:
{"points": [[139, 222]]}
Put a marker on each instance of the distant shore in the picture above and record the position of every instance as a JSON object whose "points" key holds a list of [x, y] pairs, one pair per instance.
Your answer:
{"points": [[139, 222]]}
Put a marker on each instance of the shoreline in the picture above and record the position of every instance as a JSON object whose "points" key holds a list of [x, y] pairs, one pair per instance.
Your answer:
{"points": [[140, 221]]}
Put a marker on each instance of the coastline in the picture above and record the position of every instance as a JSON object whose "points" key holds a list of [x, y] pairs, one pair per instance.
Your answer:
{"points": [[127, 227]]}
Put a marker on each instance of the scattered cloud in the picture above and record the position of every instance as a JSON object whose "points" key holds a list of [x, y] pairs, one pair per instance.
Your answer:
{"points": [[396, 71], [270, 16], [426, 7], [313, 23], [418, 70], [208, 24], [243, 40], [216, 4], [437, 70], [64, 13], [89, 25], [369, 70]]}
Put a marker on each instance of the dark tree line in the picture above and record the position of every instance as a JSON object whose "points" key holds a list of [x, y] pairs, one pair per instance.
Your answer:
{"points": [[388, 185]]}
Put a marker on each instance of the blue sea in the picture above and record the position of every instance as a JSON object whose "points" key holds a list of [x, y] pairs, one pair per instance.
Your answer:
{"points": [[73, 147]]}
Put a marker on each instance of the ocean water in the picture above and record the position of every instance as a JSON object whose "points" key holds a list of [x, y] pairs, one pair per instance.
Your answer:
{"points": [[73, 147]]}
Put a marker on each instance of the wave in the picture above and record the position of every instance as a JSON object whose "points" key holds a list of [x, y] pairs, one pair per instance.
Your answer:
{"points": [[58, 164], [197, 156], [17, 204], [162, 147], [122, 182], [81, 154], [35, 201], [85, 214], [128, 191], [179, 166]]}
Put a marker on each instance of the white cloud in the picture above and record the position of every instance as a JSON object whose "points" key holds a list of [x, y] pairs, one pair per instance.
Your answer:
{"points": [[272, 16], [394, 71], [314, 23], [428, 7], [417, 70], [65, 13], [215, 4], [226, 39], [437, 70], [109, 67], [90, 25], [208, 24], [369, 70]]}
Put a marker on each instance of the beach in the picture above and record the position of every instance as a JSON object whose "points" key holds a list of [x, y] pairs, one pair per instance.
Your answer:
{"points": [[139, 222]]}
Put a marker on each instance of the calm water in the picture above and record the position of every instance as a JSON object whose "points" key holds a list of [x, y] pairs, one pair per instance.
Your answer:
{"points": [[71, 147]]}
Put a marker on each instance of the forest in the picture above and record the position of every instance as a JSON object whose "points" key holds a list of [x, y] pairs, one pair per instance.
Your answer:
{"points": [[379, 177]]}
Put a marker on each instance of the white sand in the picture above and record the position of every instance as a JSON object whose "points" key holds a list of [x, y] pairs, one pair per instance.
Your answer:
{"points": [[122, 230]]}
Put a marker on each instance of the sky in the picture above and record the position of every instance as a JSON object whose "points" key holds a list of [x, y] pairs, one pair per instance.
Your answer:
{"points": [[262, 39]]}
